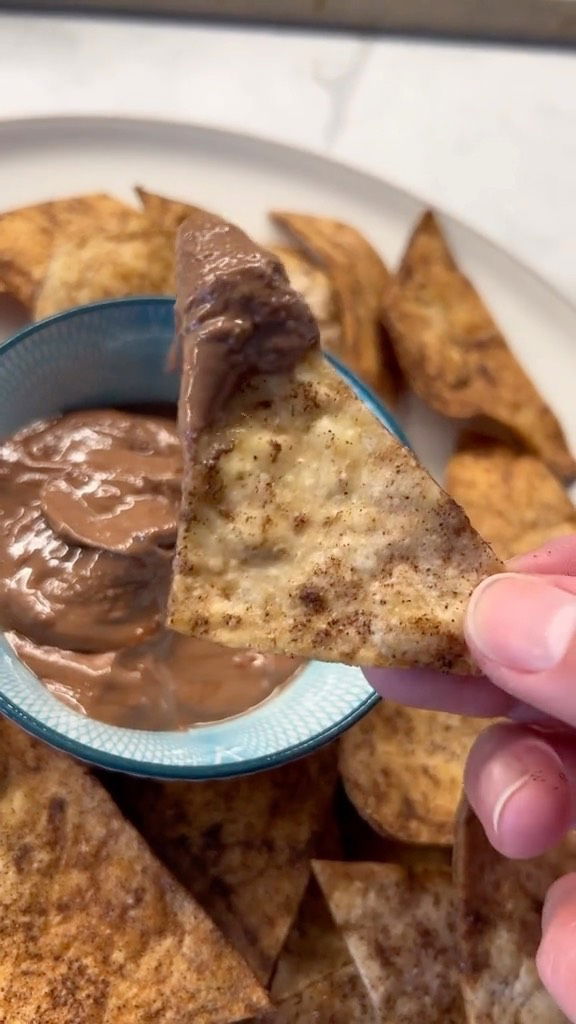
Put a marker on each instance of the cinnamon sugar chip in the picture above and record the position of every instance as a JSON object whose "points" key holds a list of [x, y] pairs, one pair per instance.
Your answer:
{"points": [[165, 212], [136, 259], [337, 998], [382, 563], [402, 768], [499, 908], [28, 234], [242, 847], [315, 287], [314, 947], [513, 500], [456, 358], [93, 930], [360, 283], [399, 926]]}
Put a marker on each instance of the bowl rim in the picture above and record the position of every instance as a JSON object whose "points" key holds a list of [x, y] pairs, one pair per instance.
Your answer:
{"points": [[192, 772]]}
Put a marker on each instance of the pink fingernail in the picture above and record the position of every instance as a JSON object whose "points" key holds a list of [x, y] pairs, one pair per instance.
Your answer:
{"points": [[521, 622], [531, 762]]}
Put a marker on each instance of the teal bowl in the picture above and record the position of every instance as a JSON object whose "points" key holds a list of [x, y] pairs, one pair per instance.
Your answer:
{"points": [[113, 353]]}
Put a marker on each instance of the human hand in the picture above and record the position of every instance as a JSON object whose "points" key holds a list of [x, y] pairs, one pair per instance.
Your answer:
{"points": [[521, 775]]}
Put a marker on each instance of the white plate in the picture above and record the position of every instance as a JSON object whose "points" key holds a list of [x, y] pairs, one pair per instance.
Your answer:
{"points": [[242, 178]]}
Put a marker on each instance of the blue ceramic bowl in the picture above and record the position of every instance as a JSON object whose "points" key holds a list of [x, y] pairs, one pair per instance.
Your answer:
{"points": [[113, 353]]}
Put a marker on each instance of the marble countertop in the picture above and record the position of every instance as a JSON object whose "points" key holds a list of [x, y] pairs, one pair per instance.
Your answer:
{"points": [[486, 131]]}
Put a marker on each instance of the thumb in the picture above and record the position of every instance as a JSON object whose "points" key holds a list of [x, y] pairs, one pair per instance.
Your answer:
{"points": [[521, 631]]}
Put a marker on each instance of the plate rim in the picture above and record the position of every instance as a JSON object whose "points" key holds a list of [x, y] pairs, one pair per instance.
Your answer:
{"points": [[311, 155]]}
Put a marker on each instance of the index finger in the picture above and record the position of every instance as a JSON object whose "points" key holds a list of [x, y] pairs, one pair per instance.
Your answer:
{"points": [[433, 691], [556, 558]]}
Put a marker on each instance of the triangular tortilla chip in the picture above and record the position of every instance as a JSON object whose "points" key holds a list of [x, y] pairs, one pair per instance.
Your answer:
{"points": [[402, 769], [399, 926], [361, 283], [499, 906], [93, 930], [241, 846], [313, 949], [338, 998], [167, 213], [27, 237], [314, 285], [306, 526], [454, 355], [137, 259], [360, 842], [511, 497]]}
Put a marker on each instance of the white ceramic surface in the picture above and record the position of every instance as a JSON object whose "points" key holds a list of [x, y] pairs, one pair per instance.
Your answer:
{"points": [[242, 178]]}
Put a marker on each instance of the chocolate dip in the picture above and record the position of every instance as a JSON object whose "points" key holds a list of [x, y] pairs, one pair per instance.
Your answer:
{"points": [[88, 515], [236, 314]]}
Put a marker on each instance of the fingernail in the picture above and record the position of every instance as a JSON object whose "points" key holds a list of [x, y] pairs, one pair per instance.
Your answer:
{"points": [[531, 762], [521, 622]]}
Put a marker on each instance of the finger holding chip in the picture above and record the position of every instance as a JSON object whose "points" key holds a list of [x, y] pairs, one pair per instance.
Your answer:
{"points": [[520, 629]]}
